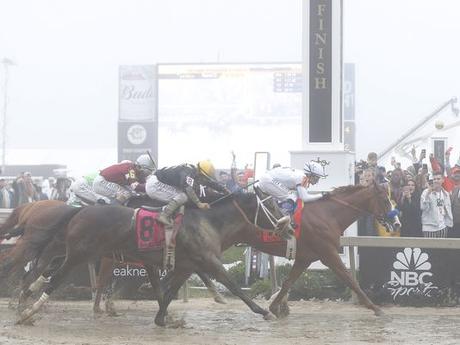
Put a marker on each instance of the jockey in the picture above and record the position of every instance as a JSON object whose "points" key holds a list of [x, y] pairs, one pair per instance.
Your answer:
{"points": [[81, 192], [286, 185], [120, 181], [175, 186]]}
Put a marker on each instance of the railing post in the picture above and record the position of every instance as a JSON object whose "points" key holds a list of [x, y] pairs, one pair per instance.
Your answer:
{"points": [[351, 255], [185, 291]]}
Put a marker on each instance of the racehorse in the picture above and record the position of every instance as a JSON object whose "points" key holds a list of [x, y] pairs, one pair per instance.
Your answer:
{"points": [[105, 276], [43, 219], [101, 230], [17, 220], [322, 224], [40, 215]]}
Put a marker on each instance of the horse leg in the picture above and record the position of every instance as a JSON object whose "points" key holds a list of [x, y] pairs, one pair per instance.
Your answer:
{"points": [[50, 268], [215, 267], [154, 278], [104, 278], [55, 280], [34, 279], [218, 298], [331, 259], [175, 280], [297, 269]]}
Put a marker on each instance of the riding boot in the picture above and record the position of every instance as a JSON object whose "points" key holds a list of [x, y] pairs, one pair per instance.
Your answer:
{"points": [[166, 217]]}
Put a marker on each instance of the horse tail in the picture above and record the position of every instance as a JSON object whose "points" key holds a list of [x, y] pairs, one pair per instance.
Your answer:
{"points": [[11, 227], [30, 246]]}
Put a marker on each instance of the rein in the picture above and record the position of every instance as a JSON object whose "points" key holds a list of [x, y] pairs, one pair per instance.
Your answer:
{"points": [[356, 208], [260, 205]]}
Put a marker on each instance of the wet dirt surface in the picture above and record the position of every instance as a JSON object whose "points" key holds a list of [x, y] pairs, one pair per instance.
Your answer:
{"points": [[201, 321]]}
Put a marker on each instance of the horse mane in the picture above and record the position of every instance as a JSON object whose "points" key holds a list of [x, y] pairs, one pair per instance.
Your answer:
{"points": [[346, 189]]}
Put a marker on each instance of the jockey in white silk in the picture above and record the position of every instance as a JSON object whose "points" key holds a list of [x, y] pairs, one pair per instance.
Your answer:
{"points": [[286, 185], [82, 193]]}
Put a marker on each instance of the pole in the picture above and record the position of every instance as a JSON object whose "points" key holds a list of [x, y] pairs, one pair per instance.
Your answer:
{"points": [[5, 105]]}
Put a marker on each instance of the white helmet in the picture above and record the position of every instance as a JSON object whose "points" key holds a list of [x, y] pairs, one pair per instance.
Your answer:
{"points": [[145, 162], [314, 168]]}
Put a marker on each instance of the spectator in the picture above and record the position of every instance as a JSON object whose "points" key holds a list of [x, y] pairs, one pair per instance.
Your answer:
{"points": [[20, 194], [436, 209], [372, 159], [6, 195], [395, 184], [226, 180], [455, 201], [31, 193], [411, 214], [366, 223], [421, 180], [40, 194], [238, 181]]}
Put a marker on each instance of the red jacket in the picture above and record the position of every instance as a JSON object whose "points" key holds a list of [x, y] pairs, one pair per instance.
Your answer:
{"points": [[124, 174]]}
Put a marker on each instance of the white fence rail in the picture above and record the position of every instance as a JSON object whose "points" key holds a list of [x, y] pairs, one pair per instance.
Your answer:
{"points": [[4, 213]]}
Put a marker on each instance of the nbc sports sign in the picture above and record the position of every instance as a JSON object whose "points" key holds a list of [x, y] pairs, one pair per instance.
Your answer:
{"points": [[409, 276]]}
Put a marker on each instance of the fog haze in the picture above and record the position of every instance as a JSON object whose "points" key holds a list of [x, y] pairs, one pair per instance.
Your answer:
{"points": [[63, 92]]}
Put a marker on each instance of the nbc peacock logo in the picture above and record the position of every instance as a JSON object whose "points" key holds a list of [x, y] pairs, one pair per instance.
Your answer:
{"points": [[411, 274]]}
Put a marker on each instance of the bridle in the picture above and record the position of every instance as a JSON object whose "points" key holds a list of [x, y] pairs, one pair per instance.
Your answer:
{"points": [[260, 206]]}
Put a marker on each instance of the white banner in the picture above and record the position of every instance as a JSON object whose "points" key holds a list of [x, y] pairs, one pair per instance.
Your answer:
{"points": [[137, 94]]}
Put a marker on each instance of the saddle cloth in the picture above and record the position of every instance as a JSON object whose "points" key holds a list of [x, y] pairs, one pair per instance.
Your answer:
{"points": [[150, 234], [270, 237]]}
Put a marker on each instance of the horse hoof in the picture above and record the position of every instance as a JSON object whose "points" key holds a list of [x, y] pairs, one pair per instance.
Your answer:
{"points": [[98, 311], [25, 319], [283, 310], [275, 310], [269, 317], [112, 313], [160, 321], [220, 299], [379, 312]]}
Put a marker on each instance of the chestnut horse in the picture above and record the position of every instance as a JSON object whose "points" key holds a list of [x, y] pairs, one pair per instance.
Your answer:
{"points": [[100, 230], [322, 224]]}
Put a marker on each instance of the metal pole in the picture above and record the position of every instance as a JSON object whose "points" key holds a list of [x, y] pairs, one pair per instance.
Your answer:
{"points": [[185, 292], [273, 274], [351, 254], [5, 103]]}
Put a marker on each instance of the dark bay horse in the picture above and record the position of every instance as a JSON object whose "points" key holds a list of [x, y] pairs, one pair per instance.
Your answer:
{"points": [[323, 222], [101, 230]]}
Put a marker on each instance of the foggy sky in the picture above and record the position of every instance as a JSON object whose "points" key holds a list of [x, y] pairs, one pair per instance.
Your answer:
{"points": [[64, 90]]}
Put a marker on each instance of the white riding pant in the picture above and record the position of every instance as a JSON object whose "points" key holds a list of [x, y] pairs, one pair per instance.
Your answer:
{"points": [[110, 189], [160, 191], [276, 189], [82, 189]]}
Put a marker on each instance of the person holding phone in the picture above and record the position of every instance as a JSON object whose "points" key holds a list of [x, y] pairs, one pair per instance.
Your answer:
{"points": [[436, 209], [411, 214]]}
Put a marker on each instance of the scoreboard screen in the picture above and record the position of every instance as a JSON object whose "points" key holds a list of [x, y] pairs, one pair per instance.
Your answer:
{"points": [[208, 110]]}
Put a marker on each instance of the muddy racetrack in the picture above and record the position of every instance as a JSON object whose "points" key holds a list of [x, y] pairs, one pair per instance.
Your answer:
{"points": [[201, 321]]}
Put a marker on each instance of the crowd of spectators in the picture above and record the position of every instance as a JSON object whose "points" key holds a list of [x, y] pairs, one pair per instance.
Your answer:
{"points": [[24, 189], [425, 195]]}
